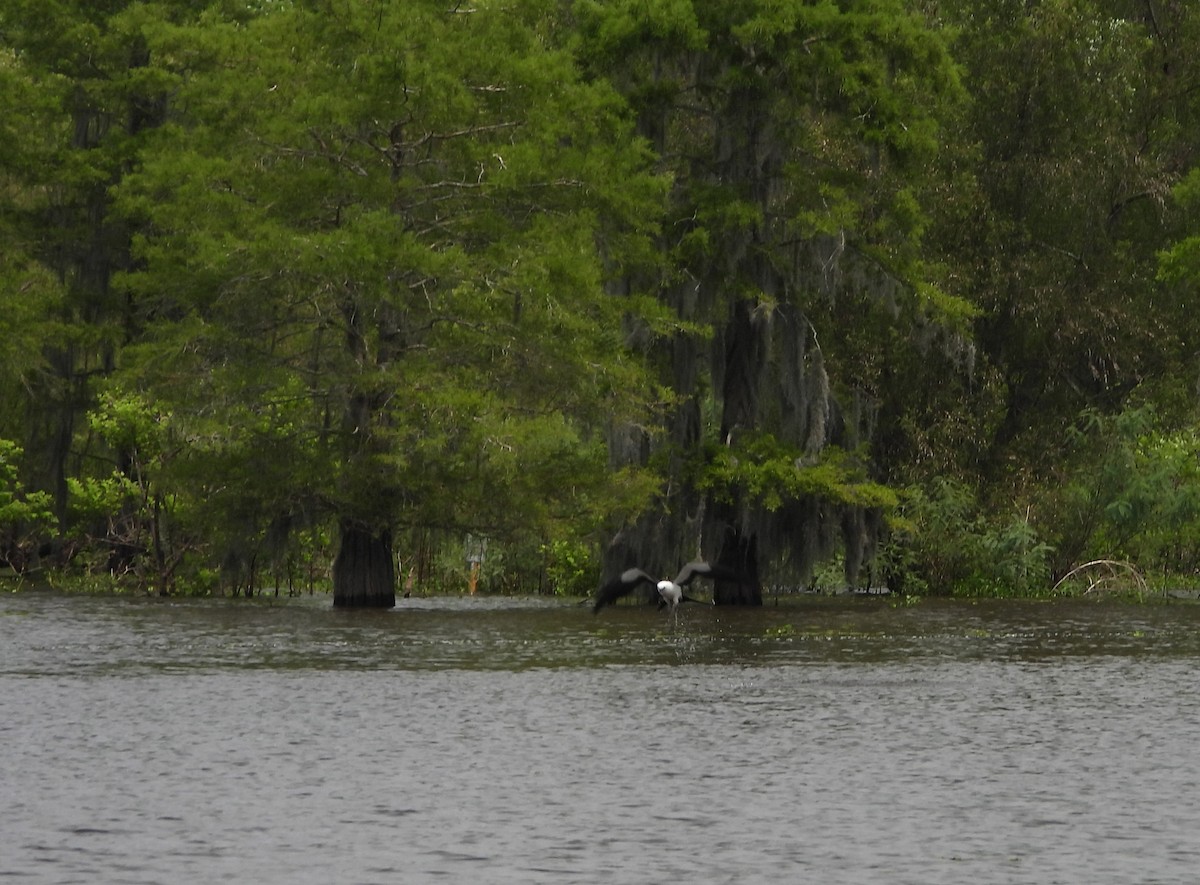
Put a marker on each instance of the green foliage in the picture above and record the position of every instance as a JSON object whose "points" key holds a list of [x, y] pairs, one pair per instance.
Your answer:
{"points": [[128, 519], [771, 474], [535, 271], [31, 294], [380, 238], [1131, 493], [1076, 130], [1179, 263], [26, 517], [570, 567], [93, 501], [944, 542], [800, 138], [133, 429]]}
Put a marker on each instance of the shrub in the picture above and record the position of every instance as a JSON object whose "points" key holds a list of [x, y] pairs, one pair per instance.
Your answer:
{"points": [[25, 517], [943, 543]]}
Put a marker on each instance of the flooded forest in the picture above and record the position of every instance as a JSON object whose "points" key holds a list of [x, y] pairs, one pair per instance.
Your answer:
{"points": [[375, 298]]}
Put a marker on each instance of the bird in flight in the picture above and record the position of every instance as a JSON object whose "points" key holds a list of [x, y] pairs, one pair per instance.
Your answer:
{"points": [[670, 593]]}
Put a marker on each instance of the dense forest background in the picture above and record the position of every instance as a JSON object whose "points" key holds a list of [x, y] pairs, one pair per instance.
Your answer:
{"points": [[363, 293]]}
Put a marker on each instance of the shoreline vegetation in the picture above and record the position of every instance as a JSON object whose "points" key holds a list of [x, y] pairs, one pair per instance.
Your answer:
{"points": [[376, 299], [1098, 581]]}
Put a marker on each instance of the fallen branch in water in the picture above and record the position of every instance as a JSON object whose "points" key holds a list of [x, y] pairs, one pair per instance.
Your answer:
{"points": [[1110, 575]]}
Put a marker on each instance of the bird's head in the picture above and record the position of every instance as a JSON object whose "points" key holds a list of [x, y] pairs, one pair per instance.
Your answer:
{"points": [[664, 585]]}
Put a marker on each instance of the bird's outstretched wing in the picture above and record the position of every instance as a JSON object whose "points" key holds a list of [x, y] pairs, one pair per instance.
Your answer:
{"points": [[704, 570], [622, 585]]}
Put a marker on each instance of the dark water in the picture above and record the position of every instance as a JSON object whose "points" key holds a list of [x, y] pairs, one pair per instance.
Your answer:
{"points": [[844, 741]]}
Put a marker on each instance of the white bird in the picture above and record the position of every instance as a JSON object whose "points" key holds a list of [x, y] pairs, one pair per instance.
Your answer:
{"points": [[670, 593]]}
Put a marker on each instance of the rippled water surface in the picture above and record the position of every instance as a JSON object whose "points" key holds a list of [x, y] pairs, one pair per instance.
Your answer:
{"points": [[483, 740]]}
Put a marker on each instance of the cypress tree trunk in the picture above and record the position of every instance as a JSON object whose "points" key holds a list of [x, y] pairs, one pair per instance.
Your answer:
{"points": [[364, 572], [738, 554], [745, 354]]}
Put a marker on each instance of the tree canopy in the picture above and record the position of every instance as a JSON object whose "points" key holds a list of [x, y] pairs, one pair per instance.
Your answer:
{"points": [[327, 288]]}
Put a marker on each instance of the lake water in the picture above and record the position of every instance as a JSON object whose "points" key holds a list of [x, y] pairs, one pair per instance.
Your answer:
{"points": [[517, 741]]}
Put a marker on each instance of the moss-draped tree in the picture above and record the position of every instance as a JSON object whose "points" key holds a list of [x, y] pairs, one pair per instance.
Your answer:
{"points": [[800, 136]]}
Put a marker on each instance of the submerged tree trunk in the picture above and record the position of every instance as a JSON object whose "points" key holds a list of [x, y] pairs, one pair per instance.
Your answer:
{"points": [[364, 572]]}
